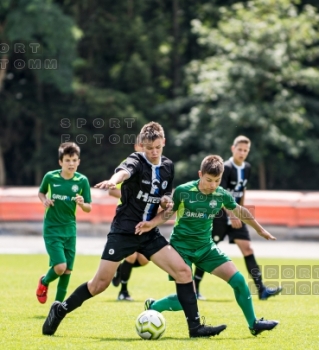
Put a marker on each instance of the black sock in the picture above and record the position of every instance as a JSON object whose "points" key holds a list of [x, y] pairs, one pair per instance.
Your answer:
{"points": [[254, 272], [126, 270], [75, 300], [198, 276], [187, 298]]}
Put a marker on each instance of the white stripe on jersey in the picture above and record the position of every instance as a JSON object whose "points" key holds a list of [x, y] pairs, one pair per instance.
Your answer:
{"points": [[154, 188], [240, 175]]}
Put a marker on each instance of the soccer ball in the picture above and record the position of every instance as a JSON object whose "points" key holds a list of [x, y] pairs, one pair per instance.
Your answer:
{"points": [[150, 324]]}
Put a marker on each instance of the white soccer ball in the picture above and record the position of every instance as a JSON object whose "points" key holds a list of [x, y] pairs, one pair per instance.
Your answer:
{"points": [[150, 324]]}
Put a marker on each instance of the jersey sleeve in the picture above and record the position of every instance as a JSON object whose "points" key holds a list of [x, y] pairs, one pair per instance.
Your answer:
{"points": [[86, 191], [228, 201], [169, 188], [131, 165], [177, 198], [44, 187], [225, 177]]}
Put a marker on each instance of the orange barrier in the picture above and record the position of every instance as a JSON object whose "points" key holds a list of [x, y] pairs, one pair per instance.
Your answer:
{"points": [[286, 208]]}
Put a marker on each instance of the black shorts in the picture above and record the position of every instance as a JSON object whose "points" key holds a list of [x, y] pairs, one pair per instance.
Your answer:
{"points": [[222, 228], [120, 245]]}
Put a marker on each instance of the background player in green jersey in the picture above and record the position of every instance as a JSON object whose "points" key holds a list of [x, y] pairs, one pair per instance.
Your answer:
{"points": [[196, 203], [61, 191]]}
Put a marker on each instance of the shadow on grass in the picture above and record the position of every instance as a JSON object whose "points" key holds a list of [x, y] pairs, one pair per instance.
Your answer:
{"points": [[39, 317], [217, 301], [142, 301], [171, 339]]}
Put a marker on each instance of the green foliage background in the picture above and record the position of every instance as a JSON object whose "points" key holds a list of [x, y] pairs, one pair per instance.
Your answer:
{"points": [[206, 70]]}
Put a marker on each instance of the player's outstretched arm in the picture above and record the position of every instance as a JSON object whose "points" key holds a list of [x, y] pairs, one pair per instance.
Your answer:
{"points": [[160, 218], [245, 215], [167, 203], [117, 178]]}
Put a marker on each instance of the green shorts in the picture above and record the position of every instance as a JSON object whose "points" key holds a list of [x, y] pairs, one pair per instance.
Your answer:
{"points": [[207, 258], [61, 250]]}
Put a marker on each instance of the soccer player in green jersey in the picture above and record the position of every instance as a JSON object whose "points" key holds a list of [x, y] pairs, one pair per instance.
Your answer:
{"points": [[196, 203], [61, 191]]}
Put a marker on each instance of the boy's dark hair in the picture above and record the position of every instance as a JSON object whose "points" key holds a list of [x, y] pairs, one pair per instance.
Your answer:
{"points": [[151, 132], [241, 139], [212, 165], [68, 148]]}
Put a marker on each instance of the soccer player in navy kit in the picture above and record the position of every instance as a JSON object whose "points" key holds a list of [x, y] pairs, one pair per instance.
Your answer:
{"points": [[61, 191], [146, 180], [124, 270], [235, 177]]}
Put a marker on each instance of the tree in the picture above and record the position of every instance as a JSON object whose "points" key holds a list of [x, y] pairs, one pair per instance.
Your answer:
{"points": [[260, 79], [37, 52]]}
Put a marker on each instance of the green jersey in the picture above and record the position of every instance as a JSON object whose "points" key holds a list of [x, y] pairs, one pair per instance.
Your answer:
{"points": [[195, 213], [59, 220]]}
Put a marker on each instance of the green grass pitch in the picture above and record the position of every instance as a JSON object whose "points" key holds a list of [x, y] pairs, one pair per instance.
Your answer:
{"points": [[105, 323]]}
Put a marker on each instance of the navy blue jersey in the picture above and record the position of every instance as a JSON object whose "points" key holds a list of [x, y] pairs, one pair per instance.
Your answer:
{"points": [[235, 178], [141, 193]]}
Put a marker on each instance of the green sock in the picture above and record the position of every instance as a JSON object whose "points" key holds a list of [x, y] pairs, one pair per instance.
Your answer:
{"points": [[243, 297], [49, 277], [169, 303], [62, 287]]}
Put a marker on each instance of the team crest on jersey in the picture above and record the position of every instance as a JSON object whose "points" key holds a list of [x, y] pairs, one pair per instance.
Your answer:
{"points": [[75, 188], [164, 185], [212, 203]]}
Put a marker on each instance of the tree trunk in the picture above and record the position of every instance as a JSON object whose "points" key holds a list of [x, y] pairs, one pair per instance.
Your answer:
{"points": [[3, 70], [38, 135], [2, 169], [176, 58], [262, 175]]}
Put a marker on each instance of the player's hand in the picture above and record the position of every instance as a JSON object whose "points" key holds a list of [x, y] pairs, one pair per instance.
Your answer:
{"points": [[48, 202], [105, 185], [167, 203], [236, 223], [79, 199], [143, 226], [264, 233]]}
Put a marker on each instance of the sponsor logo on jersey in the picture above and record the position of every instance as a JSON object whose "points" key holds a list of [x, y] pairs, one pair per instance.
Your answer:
{"points": [[75, 188], [198, 215], [147, 198], [164, 185], [54, 185], [146, 182], [63, 198]]}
